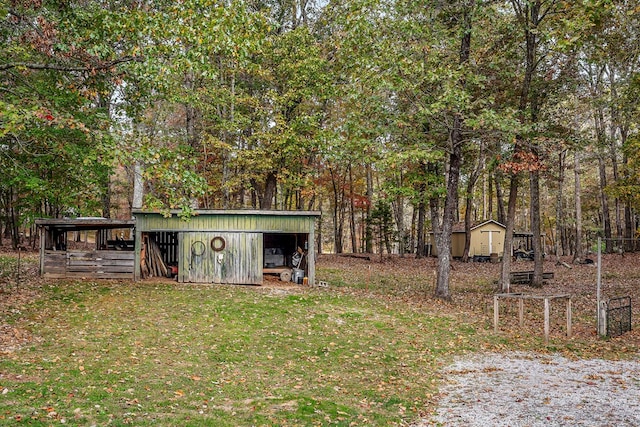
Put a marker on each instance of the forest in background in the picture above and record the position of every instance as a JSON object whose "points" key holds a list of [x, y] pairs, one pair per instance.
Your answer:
{"points": [[392, 117]]}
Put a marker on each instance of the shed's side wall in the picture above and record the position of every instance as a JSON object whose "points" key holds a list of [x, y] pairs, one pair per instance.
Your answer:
{"points": [[457, 244]]}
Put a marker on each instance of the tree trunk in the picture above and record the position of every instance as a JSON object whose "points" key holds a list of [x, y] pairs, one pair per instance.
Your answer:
{"points": [[444, 242], [411, 238], [192, 117], [420, 231], [138, 186], [338, 212], [254, 196], [579, 252], [560, 223], [269, 192], [629, 225], [505, 268], [533, 99], [13, 220], [613, 148], [320, 228], [487, 197], [398, 210], [455, 162], [471, 183], [106, 198], [628, 228], [368, 232], [387, 242], [530, 17], [467, 229], [534, 180], [352, 213], [502, 217], [434, 202], [606, 216]]}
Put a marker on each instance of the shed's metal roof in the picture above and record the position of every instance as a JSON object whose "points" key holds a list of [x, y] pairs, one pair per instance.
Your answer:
{"points": [[198, 212]]}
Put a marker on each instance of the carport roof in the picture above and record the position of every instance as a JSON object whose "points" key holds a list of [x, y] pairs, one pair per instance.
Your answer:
{"points": [[85, 223]]}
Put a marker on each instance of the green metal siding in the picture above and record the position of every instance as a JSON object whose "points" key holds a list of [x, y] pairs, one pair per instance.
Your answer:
{"points": [[219, 221]]}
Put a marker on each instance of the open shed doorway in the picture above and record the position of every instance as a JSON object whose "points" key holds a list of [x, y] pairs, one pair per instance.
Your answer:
{"points": [[159, 254], [286, 255]]}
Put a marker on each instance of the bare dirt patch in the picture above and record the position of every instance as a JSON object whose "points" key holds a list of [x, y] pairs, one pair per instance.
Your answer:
{"points": [[12, 338]]}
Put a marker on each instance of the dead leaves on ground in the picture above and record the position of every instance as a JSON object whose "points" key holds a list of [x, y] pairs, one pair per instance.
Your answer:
{"points": [[412, 281]]}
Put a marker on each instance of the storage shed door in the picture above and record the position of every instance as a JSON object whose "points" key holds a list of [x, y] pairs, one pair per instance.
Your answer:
{"points": [[212, 257]]}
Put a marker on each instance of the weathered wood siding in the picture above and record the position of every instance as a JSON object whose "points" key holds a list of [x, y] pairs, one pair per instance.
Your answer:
{"points": [[240, 262], [89, 264], [54, 264]]}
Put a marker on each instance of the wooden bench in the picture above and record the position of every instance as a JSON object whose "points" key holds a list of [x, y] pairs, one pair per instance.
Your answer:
{"points": [[525, 277]]}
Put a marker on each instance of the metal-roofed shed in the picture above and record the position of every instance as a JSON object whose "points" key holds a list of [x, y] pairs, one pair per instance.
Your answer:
{"points": [[228, 246]]}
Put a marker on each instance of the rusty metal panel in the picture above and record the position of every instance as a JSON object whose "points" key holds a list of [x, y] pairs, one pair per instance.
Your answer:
{"points": [[220, 257]]}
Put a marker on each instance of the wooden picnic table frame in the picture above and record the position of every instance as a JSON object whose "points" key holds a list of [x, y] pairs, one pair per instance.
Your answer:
{"points": [[547, 303]]}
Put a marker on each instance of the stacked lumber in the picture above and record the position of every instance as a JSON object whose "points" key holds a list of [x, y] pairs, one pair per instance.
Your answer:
{"points": [[151, 263]]}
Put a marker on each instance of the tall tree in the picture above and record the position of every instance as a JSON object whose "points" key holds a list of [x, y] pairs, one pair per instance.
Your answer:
{"points": [[59, 66], [579, 251], [456, 141], [535, 22]]}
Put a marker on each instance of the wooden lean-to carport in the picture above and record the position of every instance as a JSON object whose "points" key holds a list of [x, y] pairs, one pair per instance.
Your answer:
{"points": [[105, 249], [229, 246]]}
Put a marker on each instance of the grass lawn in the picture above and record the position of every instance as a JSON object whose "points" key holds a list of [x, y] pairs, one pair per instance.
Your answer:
{"points": [[364, 351], [164, 354]]}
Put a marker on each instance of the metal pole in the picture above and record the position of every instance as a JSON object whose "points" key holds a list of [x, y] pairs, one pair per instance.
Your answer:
{"points": [[496, 313], [569, 331]]}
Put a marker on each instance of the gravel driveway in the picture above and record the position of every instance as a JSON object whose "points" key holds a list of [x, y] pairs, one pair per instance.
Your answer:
{"points": [[526, 389]]}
